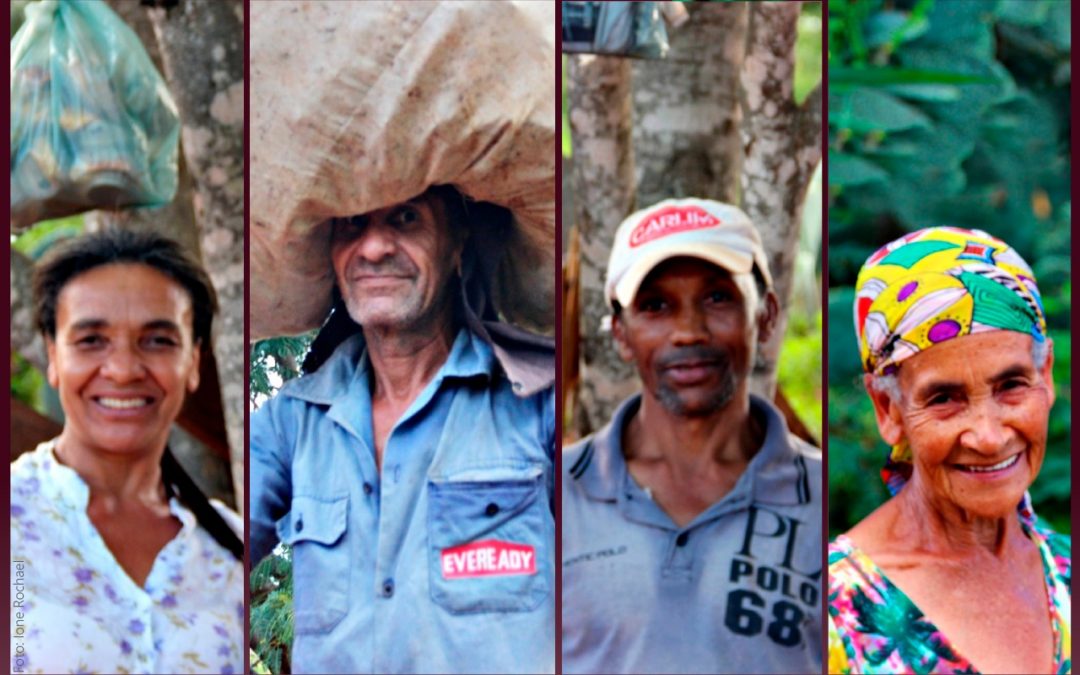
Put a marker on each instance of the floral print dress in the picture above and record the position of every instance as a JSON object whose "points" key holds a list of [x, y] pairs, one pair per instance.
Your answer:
{"points": [[875, 628], [74, 609]]}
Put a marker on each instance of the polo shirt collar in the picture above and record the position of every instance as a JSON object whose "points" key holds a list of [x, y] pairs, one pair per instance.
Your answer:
{"points": [[777, 474]]}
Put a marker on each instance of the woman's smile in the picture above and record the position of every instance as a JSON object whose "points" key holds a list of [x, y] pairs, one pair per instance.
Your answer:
{"points": [[991, 471]]}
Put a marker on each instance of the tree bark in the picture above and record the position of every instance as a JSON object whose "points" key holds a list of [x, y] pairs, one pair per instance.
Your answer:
{"points": [[603, 173], [25, 338], [686, 109], [175, 220], [202, 48], [716, 119], [782, 146]]}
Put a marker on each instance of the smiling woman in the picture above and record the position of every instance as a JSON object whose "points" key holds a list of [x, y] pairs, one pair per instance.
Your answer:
{"points": [[959, 369], [127, 565]]}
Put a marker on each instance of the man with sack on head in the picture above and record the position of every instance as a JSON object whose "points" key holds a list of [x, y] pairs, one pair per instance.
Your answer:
{"points": [[692, 521], [411, 470], [403, 176]]}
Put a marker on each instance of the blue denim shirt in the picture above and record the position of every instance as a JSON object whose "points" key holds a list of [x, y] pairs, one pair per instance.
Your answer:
{"points": [[445, 561]]}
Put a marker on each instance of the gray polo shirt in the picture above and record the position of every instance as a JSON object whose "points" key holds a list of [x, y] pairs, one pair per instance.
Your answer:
{"points": [[738, 590]]}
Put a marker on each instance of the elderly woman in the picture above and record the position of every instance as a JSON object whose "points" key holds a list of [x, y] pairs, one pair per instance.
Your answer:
{"points": [[119, 562], [954, 573]]}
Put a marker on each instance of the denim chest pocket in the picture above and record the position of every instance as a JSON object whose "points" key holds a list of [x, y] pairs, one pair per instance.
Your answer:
{"points": [[315, 529], [489, 543]]}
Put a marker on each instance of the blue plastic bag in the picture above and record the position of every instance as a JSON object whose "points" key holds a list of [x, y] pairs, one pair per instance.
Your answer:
{"points": [[92, 123], [613, 28]]}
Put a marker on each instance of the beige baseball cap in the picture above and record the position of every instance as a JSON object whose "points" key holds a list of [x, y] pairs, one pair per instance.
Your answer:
{"points": [[700, 228]]}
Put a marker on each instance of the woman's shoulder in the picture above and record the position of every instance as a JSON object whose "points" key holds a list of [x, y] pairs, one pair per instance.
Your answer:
{"points": [[1060, 544], [30, 464], [1059, 547], [35, 481], [849, 567], [857, 587]]}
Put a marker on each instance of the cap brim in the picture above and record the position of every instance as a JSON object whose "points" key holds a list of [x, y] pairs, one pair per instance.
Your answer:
{"points": [[627, 287]]}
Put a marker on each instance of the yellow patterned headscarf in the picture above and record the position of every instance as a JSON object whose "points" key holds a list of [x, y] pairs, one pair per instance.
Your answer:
{"points": [[935, 285]]}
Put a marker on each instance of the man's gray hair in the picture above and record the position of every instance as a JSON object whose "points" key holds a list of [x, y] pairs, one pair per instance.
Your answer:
{"points": [[890, 385]]}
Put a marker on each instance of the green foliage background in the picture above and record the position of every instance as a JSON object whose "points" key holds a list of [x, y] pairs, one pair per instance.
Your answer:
{"points": [[946, 112], [273, 363], [28, 384]]}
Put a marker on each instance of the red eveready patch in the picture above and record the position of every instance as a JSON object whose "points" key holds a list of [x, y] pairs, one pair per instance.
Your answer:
{"points": [[488, 558], [670, 220]]}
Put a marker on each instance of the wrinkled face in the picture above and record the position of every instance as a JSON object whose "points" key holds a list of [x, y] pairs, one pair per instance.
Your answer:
{"points": [[974, 411], [123, 358], [692, 333], [393, 265]]}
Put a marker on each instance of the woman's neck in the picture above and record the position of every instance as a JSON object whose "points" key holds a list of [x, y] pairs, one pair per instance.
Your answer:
{"points": [[114, 475], [933, 523]]}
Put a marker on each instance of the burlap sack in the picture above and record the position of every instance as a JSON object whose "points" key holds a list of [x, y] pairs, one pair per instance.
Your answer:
{"points": [[359, 105]]}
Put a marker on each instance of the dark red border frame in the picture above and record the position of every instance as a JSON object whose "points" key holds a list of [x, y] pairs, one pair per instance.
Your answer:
{"points": [[1073, 114], [5, 403], [558, 334], [247, 334], [824, 336]]}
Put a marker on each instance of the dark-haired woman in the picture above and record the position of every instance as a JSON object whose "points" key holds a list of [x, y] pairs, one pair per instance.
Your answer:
{"points": [[119, 563]]}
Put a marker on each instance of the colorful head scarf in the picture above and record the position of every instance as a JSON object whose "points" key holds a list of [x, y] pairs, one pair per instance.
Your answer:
{"points": [[935, 285]]}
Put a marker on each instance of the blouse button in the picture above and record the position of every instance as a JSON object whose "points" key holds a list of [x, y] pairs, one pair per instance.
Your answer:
{"points": [[299, 523], [491, 509]]}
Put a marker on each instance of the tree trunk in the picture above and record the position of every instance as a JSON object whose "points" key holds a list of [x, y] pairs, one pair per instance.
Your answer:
{"points": [[715, 119], [603, 173], [782, 146], [202, 47], [25, 338], [686, 110]]}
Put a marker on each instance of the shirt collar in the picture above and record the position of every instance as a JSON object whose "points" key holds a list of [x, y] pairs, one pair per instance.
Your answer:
{"points": [[60, 483], [63, 485], [347, 369], [777, 474]]}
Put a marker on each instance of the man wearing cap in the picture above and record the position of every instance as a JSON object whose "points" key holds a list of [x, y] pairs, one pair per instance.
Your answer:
{"points": [[412, 469], [692, 521]]}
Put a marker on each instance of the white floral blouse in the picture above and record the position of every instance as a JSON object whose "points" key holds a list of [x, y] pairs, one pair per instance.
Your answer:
{"points": [[75, 610]]}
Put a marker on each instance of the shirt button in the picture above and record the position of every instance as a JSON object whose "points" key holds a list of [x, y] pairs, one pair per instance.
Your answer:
{"points": [[388, 588], [682, 539], [368, 489], [491, 509], [299, 523]]}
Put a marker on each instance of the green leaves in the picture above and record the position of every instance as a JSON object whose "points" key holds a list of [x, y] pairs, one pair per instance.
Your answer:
{"points": [[945, 113], [848, 170], [866, 110], [272, 611], [849, 78], [276, 361]]}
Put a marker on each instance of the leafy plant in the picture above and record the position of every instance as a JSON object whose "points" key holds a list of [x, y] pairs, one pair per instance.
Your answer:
{"points": [[944, 113], [273, 363], [272, 611]]}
